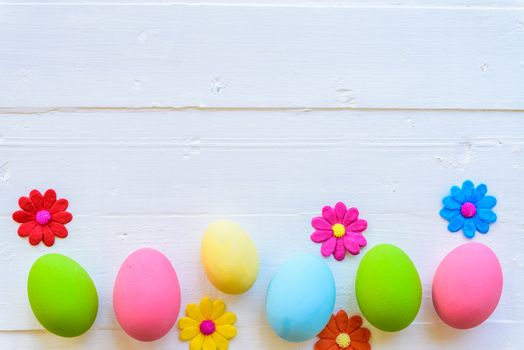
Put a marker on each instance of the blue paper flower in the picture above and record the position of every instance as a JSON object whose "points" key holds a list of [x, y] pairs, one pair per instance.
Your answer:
{"points": [[468, 208]]}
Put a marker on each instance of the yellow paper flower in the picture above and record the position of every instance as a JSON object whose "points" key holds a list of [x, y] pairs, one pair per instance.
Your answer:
{"points": [[208, 326]]}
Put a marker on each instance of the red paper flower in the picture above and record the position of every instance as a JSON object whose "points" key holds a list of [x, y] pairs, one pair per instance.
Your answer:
{"points": [[344, 333], [42, 217]]}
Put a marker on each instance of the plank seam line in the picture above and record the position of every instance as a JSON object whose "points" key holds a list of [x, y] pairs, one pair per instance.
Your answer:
{"points": [[271, 5], [74, 110]]}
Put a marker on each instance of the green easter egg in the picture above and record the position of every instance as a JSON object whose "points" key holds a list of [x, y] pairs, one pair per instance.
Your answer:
{"points": [[388, 288], [62, 295]]}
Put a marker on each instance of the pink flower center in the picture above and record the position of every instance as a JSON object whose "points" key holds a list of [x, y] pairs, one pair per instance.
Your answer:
{"points": [[43, 217], [468, 210], [207, 327]]}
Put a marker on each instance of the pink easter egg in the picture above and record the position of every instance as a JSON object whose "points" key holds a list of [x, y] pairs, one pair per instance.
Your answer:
{"points": [[146, 295], [467, 286]]}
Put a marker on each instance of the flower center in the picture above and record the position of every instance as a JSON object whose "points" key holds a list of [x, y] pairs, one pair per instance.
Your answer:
{"points": [[338, 230], [343, 340], [207, 327], [468, 210], [43, 217]]}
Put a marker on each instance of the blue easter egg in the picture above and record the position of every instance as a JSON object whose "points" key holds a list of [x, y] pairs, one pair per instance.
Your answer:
{"points": [[300, 298]]}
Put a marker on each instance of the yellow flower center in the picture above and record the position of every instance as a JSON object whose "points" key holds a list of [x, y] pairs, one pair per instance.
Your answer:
{"points": [[338, 230], [343, 340]]}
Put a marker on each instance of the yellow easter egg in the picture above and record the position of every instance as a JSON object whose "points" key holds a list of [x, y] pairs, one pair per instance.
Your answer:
{"points": [[230, 257]]}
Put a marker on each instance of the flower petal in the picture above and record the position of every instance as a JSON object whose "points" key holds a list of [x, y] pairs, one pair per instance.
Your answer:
{"points": [[62, 217], [456, 224], [482, 226], [449, 214], [487, 202], [197, 342], [332, 325], [193, 311], [354, 323], [326, 344], [227, 330], [356, 345], [340, 251], [457, 194], [451, 203], [469, 228], [487, 215], [25, 229], [60, 205], [209, 344], [351, 216], [37, 198], [186, 322], [27, 205], [219, 307], [320, 223], [49, 198], [327, 333], [58, 229], [467, 190], [351, 245], [189, 333], [340, 211], [35, 236], [329, 215], [342, 320], [21, 216], [328, 247], [206, 307], [360, 335], [358, 226], [48, 236], [321, 235], [228, 318], [357, 238], [479, 193], [220, 341]]}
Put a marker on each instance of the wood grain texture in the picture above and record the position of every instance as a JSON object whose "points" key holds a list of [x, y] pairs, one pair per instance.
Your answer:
{"points": [[176, 55], [157, 178], [300, 3]]}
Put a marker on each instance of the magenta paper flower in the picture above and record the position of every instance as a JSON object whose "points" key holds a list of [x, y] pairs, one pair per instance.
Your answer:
{"points": [[338, 230]]}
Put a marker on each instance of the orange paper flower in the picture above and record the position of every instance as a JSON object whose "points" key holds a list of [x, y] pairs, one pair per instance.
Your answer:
{"points": [[343, 333]]}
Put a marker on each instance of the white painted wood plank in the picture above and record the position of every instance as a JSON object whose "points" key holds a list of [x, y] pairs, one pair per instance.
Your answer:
{"points": [[319, 3], [158, 178], [263, 56]]}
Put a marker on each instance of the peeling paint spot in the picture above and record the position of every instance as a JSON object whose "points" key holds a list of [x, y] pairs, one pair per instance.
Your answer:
{"points": [[5, 173], [192, 147], [410, 122], [142, 36], [459, 159], [345, 97], [6, 252], [217, 86], [484, 67], [137, 85]]}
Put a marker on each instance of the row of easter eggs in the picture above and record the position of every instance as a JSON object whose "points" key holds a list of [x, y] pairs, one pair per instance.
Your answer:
{"points": [[300, 297]]}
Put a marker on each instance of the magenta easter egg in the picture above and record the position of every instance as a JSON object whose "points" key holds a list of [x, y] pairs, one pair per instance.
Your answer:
{"points": [[146, 296], [467, 286]]}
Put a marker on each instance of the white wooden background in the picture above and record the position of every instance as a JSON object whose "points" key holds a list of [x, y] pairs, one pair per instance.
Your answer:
{"points": [[154, 119]]}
